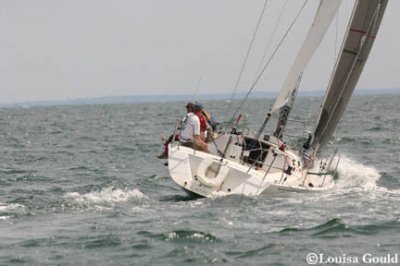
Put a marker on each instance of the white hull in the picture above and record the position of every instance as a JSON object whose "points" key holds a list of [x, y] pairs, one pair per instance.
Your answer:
{"points": [[210, 175]]}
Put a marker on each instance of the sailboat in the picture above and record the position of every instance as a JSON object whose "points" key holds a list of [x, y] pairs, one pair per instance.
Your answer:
{"points": [[241, 161]]}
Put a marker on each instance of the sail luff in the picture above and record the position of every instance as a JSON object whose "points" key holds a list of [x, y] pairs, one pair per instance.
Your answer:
{"points": [[362, 29], [322, 20]]}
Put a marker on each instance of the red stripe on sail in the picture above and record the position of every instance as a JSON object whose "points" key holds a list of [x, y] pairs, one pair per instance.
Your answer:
{"points": [[362, 32], [358, 31]]}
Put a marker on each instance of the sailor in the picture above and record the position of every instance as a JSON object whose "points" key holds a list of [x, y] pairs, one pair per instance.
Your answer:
{"points": [[204, 126], [164, 154], [211, 119], [187, 140], [190, 129]]}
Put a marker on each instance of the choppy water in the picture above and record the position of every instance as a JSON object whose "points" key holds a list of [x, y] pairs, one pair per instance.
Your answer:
{"points": [[80, 185]]}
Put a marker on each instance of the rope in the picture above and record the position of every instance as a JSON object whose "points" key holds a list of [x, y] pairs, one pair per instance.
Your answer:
{"points": [[269, 61]]}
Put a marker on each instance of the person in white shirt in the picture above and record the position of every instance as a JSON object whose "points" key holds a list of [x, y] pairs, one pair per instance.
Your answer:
{"points": [[190, 129], [189, 132]]}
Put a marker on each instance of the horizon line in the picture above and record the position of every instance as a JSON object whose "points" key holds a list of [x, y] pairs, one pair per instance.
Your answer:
{"points": [[178, 97]]}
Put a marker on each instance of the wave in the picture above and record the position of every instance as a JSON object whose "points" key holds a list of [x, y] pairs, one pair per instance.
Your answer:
{"points": [[181, 236], [357, 177], [353, 174], [107, 197], [333, 228], [6, 210], [10, 207], [266, 249]]}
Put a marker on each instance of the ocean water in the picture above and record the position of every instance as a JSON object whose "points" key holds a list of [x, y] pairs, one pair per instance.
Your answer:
{"points": [[81, 185]]}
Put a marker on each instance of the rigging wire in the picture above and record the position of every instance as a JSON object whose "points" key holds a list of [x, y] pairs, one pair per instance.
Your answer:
{"points": [[248, 53], [268, 62], [272, 37], [197, 88]]}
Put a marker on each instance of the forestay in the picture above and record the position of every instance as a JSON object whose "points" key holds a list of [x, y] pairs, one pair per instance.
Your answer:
{"points": [[361, 32]]}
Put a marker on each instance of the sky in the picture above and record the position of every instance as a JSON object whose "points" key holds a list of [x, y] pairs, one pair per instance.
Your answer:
{"points": [[60, 50]]}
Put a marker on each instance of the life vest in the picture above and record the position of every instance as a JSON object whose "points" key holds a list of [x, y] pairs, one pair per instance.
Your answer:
{"points": [[203, 123]]}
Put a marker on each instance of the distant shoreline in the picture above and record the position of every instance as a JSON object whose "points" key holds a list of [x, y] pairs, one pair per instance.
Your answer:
{"points": [[176, 98]]}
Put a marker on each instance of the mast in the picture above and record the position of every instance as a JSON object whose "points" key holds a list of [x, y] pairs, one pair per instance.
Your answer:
{"points": [[360, 36]]}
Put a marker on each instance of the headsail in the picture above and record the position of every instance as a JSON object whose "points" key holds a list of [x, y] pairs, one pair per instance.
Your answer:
{"points": [[363, 27], [323, 18], [284, 102]]}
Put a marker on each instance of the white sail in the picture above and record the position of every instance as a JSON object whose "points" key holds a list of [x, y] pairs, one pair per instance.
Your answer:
{"points": [[361, 32], [323, 18]]}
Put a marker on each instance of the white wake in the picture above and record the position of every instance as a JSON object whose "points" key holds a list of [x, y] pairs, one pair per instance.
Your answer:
{"points": [[5, 209], [107, 197], [353, 174]]}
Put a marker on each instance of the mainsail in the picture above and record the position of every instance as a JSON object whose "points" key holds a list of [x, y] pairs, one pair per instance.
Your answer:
{"points": [[361, 32], [284, 102]]}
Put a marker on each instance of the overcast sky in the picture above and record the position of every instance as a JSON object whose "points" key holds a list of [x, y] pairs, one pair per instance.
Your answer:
{"points": [[66, 49]]}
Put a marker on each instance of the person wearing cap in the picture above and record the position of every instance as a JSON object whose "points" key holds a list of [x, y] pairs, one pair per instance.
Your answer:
{"points": [[188, 136], [189, 107], [191, 129], [164, 153]]}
